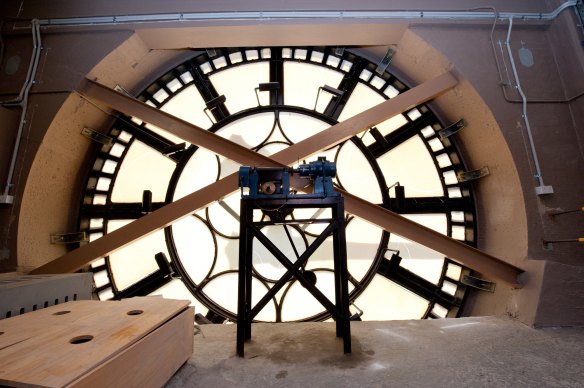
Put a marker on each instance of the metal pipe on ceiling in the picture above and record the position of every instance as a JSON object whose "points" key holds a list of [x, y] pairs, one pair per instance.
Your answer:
{"points": [[250, 15], [295, 15]]}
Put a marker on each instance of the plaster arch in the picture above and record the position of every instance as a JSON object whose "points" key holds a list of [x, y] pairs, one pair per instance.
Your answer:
{"points": [[49, 206], [51, 195], [502, 223]]}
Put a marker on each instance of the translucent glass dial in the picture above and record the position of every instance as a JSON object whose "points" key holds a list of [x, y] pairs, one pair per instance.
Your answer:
{"points": [[400, 164]]}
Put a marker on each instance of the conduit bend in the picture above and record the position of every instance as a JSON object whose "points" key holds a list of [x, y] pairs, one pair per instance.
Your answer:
{"points": [[467, 15], [541, 189], [22, 101]]}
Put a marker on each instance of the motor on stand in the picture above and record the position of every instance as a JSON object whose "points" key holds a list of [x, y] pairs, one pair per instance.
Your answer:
{"points": [[321, 172], [274, 182], [270, 192]]}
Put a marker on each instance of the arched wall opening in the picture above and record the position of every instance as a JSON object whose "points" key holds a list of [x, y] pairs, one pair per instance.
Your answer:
{"points": [[502, 221]]}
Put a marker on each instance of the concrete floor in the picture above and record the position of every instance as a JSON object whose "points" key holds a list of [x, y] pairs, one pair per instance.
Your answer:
{"points": [[465, 352]]}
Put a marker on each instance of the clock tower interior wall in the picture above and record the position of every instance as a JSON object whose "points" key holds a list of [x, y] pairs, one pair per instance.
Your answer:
{"points": [[512, 220]]}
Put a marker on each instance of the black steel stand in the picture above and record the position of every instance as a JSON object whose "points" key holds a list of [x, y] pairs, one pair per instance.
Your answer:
{"points": [[250, 229]]}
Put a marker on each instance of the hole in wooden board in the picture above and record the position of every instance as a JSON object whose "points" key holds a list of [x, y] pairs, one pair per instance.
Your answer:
{"points": [[135, 312], [62, 312], [1, 332], [80, 339]]}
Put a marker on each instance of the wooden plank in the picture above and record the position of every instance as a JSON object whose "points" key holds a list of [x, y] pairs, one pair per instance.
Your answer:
{"points": [[127, 234], [172, 124], [47, 358], [150, 362], [465, 254]]}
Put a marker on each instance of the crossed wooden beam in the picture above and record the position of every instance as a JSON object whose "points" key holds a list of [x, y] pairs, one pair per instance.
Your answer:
{"points": [[392, 222]]}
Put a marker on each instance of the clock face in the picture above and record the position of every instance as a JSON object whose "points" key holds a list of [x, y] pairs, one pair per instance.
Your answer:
{"points": [[267, 99]]}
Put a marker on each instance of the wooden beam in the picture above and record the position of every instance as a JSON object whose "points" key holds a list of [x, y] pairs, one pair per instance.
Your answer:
{"points": [[454, 249], [334, 135], [119, 238], [183, 129], [366, 119]]}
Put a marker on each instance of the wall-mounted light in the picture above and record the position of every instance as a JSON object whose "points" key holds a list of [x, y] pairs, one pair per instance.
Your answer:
{"points": [[211, 52], [146, 202], [400, 196], [120, 89], [96, 136], [171, 149], [465, 176], [69, 238], [395, 259], [267, 87], [214, 104], [385, 61], [478, 283], [327, 89], [357, 315], [166, 268], [452, 129]]}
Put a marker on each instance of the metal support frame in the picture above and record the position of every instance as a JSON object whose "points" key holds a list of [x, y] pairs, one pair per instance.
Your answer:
{"points": [[250, 229]]}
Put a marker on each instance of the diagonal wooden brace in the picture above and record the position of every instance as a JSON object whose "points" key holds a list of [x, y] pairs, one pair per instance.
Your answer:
{"points": [[337, 133]]}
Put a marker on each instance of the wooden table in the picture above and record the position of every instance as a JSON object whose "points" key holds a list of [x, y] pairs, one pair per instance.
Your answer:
{"points": [[129, 343]]}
